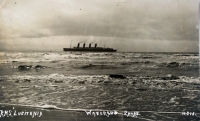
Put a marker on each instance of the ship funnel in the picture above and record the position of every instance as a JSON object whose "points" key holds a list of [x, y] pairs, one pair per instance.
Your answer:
{"points": [[95, 45], [90, 45], [84, 45], [78, 45]]}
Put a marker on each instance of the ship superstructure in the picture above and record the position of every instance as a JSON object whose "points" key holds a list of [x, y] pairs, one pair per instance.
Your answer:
{"points": [[89, 48]]}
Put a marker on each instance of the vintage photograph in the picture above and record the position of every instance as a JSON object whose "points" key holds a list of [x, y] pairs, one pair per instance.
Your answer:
{"points": [[99, 60]]}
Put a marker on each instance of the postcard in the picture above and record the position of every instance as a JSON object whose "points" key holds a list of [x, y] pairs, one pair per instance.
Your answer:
{"points": [[99, 60]]}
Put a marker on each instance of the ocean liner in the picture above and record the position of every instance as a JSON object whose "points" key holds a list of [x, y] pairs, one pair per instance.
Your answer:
{"points": [[89, 49]]}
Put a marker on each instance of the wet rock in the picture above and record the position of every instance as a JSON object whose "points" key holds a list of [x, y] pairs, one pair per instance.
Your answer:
{"points": [[100, 81], [184, 64], [146, 57], [54, 61], [133, 82], [142, 89], [58, 81], [24, 87], [27, 80], [1, 80], [24, 67], [117, 76], [39, 67], [81, 82], [172, 64]]}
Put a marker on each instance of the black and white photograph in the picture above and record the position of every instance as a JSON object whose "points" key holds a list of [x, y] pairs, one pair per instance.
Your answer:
{"points": [[99, 60]]}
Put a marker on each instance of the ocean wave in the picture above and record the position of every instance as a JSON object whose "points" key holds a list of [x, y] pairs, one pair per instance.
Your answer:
{"points": [[187, 54], [100, 92], [5, 62], [178, 64], [149, 57], [96, 66], [148, 82], [136, 62], [26, 67]]}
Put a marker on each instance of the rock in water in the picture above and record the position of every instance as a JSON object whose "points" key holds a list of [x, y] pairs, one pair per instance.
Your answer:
{"points": [[39, 67], [172, 64], [24, 66], [58, 81], [117, 76]]}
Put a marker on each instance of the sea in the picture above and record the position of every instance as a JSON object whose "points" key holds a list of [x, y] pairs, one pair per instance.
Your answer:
{"points": [[158, 86]]}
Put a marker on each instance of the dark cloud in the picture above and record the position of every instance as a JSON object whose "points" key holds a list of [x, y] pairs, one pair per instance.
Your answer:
{"points": [[137, 22], [123, 19], [126, 22]]}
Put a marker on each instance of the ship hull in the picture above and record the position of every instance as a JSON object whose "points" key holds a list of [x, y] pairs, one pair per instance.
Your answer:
{"points": [[89, 50]]}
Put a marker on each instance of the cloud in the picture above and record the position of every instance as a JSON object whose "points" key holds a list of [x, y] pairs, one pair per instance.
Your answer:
{"points": [[140, 24], [124, 19]]}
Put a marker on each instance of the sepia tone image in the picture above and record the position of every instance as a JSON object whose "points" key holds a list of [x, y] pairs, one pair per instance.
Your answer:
{"points": [[99, 60]]}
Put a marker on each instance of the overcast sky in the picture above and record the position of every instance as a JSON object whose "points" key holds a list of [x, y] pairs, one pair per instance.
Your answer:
{"points": [[126, 25]]}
